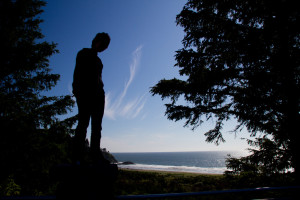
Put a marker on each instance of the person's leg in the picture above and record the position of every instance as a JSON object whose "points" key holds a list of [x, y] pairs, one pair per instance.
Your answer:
{"points": [[97, 115], [80, 132]]}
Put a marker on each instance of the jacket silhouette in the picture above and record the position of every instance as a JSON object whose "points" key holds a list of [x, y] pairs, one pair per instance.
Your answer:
{"points": [[87, 80]]}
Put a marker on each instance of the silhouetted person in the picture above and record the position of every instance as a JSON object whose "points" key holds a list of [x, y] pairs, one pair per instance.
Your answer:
{"points": [[90, 97]]}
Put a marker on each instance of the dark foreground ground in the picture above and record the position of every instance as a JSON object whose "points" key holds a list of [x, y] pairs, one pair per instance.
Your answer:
{"points": [[132, 182]]}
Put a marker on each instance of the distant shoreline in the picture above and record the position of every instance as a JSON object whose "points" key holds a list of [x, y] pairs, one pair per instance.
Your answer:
{"points": [[171, 172], [229, 151], [190, 162]]}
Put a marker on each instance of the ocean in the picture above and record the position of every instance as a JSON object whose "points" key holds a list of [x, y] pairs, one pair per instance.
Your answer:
{"points": [[211, 162]]}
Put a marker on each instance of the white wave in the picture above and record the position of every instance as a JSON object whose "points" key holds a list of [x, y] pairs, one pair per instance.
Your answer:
{"points": [[207, 170]]}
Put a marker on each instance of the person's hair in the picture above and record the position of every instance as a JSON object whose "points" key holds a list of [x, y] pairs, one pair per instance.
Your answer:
{"points": [[104, 38]]}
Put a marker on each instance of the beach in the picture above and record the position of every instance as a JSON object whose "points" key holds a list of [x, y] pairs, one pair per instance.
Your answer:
{"points": [[164, 172]]}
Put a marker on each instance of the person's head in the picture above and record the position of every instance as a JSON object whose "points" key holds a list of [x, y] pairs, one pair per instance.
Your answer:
{"points": [[101, 42]]}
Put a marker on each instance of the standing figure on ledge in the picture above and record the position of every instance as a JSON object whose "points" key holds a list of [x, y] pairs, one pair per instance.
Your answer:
{"points": [[90, 97]]}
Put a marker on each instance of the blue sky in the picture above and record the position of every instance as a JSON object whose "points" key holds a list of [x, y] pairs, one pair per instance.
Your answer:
{"points": [[144, 38]]}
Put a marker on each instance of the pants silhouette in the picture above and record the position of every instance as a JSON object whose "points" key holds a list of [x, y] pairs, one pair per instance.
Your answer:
{"points": [[89, 108]]}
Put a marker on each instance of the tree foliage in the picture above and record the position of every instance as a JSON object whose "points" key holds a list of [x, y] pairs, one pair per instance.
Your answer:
{"points": [[32, 135], [25, 71], [241, 60], [267, 158]]}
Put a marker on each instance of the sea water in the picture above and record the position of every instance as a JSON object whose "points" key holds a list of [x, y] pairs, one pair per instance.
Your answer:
{"points": [[212, 162]]}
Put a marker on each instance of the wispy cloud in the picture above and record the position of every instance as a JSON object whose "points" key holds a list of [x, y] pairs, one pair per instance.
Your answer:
{"points": [[131, 108]]}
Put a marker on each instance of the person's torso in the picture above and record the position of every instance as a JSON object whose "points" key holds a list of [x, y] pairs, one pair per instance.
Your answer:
{"points": [[87, 78]]}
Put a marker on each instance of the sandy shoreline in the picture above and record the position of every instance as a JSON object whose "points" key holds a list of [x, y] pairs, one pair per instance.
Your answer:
{"points": [[171, 172]]}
